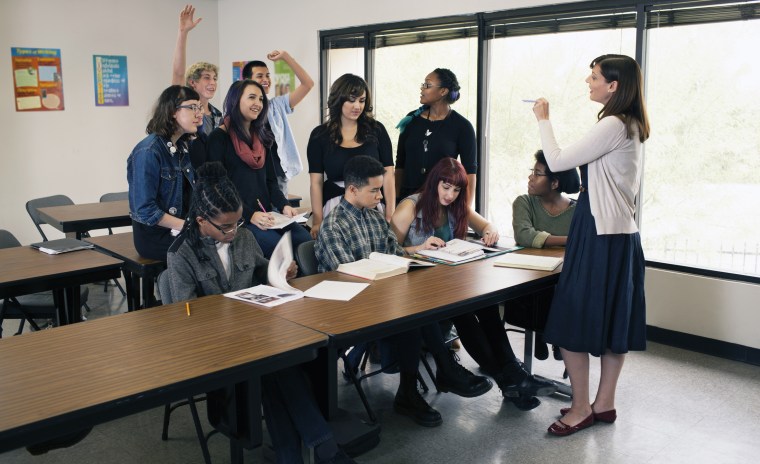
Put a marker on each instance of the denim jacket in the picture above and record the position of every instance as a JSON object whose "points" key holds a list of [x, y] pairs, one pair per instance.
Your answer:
{"points": [[155, 179]]}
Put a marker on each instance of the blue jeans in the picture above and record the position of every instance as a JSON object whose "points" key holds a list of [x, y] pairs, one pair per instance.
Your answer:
{"points": [[267, 239], [292, 414]]}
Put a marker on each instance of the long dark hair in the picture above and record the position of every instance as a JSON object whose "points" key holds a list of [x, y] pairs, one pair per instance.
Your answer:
{"points": [[214, 194], [349, 87], [258, 126], [627, 102], [452, 172], [163, 122]]}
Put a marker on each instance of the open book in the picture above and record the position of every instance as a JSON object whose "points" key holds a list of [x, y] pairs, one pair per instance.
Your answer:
{"points": [[279, 291], [62, 245], [538, 263], [456, 251], [377, 266]]}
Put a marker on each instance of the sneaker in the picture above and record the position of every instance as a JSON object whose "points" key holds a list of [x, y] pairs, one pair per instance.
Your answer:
{"points": [[455, 378], [410, 403]]}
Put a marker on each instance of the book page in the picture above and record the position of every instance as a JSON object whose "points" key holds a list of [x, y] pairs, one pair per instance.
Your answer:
{"points": [[332, 290], [279, 263], [264, 295], [455, 251], [281, 220], [389, 259]]}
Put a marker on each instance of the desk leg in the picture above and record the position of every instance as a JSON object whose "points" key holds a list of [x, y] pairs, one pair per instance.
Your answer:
{"points": [[59, 300], [323, 372], [147, 293], [130, 290], [73, 304], [528, 351], [135, 292]]}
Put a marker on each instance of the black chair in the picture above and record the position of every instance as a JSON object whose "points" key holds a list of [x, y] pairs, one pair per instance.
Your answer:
{"points": [[307, 264], [45, 202], [166, 297], [27, 308]]}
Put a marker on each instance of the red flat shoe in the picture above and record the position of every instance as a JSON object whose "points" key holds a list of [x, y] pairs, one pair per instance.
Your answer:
{"points": [[606, 416], [561, 429]]}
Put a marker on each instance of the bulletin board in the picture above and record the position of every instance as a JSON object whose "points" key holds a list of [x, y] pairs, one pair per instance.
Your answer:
{"points": [[37, 79]]}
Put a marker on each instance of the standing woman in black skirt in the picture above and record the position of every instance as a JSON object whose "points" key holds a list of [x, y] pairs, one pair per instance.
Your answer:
{"points": [[599, 305]]}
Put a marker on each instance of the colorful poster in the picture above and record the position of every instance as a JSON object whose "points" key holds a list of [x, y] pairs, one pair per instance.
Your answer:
{"points": [[111, 85], [237, 70], [37, 79], [284, 79]]}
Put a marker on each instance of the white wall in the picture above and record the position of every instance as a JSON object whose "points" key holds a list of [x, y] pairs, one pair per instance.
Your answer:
{"points": [[82, 151]]}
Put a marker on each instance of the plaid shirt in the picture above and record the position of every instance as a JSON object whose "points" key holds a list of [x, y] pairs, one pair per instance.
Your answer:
{"points": [[349, 234]]}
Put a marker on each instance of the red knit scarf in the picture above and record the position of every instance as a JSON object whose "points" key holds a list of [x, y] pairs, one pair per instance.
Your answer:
{"points": [[255, 155]]}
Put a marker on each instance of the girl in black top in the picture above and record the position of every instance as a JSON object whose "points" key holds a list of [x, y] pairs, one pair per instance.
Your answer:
{"points": [[245, 146], [350, 131], [433, 132]]}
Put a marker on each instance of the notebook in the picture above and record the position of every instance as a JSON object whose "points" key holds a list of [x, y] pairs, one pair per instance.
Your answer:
{"points": [[62, 245], [538, 263]]}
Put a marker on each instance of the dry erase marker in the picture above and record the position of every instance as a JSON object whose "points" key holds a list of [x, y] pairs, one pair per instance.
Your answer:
{"points": [[263, 210], [187, 307], [529, 101]]}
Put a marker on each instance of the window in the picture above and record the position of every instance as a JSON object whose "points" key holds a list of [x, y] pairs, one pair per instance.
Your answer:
{"points": [[702, 161]]}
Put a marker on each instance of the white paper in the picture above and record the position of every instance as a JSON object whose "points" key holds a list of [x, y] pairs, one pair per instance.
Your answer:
{"points": [[279, 263], [333, 290], [265, 295], [282, 221], [455, 251]]}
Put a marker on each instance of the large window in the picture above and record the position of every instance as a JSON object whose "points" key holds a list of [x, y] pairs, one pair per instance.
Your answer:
{"points": [[552, 66], [701, 180], [701, 70]]}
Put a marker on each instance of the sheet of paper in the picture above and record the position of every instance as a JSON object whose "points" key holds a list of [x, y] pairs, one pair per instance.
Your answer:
{"points": [[281, 220], [332, 290], [281, 258]]}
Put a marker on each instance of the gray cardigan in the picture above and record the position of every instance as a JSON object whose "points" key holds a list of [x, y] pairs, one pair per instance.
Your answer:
{"points": [[190, 277]]}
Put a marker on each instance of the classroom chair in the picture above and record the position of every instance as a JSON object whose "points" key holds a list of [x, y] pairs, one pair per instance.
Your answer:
{"points": [[307, 265], [27, 308]]}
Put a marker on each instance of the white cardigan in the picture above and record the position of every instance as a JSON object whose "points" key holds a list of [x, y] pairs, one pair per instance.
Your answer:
{"points": [[614, 170]]}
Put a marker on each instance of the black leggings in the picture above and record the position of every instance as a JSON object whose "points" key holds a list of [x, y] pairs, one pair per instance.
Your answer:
{"points": [[483, 335]]}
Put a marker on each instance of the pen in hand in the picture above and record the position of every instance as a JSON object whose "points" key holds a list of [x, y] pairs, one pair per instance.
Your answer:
{"points": [[263, 210], [529, 101]]}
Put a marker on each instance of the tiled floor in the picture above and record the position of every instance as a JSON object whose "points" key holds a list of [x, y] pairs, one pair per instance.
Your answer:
{"points": [[674, 406]]}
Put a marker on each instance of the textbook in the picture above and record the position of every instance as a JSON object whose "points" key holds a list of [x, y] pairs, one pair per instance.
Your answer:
{"points": [[538, 263], [377, 266], [63, 245], [456, 251]]}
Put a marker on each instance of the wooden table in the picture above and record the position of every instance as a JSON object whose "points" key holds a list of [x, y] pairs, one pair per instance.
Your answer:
{"points": [[25, 270], [124, 364], [137, 269], [404, 302], [81, 218]]}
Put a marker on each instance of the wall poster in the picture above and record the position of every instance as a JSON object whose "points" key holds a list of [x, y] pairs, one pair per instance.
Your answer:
{"points": [[37, 79], [111, 85]]}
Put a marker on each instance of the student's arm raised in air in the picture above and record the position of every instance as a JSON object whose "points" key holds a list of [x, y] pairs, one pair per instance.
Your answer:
{"points": [[186, 24], [305, 82]]}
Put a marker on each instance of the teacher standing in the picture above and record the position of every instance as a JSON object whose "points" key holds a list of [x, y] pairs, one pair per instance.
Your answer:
{"points": [[432, 132], [599, 305]]}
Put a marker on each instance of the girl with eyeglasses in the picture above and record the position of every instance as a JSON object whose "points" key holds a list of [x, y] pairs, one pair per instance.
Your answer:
{"points": [[160, 173], [432, 132], [215, 255]]}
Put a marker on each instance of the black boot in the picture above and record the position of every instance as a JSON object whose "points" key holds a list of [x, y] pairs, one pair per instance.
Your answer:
{"points": [[452, 377], [410, 403], [515, 381], [523, 401]]}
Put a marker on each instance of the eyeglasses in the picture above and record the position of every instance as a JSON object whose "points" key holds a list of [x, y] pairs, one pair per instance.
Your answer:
{"points": [[239, 224], [427, 85], [537, 173], [194, 108]]}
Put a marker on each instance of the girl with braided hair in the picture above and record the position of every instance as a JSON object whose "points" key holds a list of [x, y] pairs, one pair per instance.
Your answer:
{"points": [[214, 254]]}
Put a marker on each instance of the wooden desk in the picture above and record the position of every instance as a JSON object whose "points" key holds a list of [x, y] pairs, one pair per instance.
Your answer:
{"points": [[136, 268], [131, 362], [87, 216], [26, 270], [404, 302]]}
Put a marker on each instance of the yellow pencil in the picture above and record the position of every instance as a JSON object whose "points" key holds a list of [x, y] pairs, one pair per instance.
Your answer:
{"points": [[187, 307]]}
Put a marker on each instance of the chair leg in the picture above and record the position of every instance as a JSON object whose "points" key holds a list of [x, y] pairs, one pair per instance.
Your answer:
{"points": [[423, 359], [360, 391], [121, 289], [199, 431], [167, 415]]}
